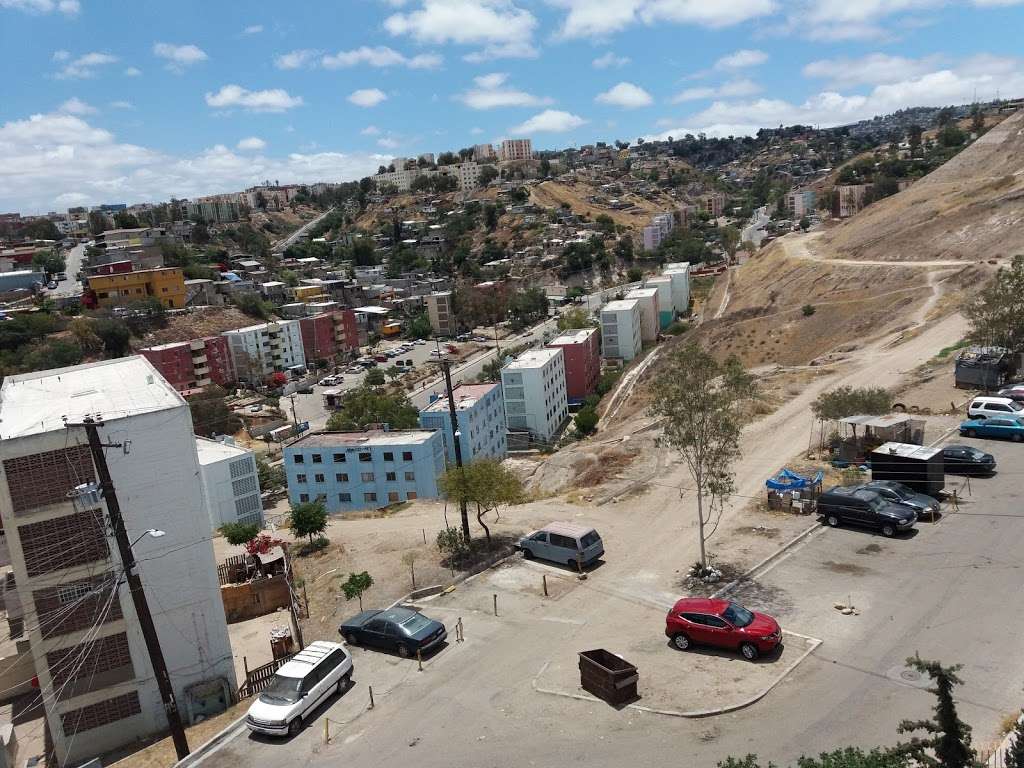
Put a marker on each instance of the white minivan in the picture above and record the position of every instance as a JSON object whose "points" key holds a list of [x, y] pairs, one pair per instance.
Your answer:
{"points": [[299, 687], [986, 407]]}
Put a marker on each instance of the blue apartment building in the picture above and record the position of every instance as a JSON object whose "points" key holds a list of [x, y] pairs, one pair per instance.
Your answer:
{"points": [[364, 470], [480, 413]]}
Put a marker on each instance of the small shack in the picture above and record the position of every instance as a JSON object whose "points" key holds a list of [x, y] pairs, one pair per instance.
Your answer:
{"points": [[984, 368], [789, 491], [916, 466], [861, 434]]}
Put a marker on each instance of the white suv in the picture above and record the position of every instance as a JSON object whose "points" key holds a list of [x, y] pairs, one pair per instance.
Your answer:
{"points": [[987, 407], [299, 687]]}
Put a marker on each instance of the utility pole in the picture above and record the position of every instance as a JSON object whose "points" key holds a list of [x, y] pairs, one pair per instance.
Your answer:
{"points": [[295, 419], [156, 655], [446, 366]]}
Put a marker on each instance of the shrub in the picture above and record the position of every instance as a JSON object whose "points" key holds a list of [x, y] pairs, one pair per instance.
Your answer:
{"points": [[808, 310]]}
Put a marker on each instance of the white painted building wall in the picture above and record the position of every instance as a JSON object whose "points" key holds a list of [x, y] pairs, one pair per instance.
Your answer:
{"points": [[620, 329], [260, 350], [230, 482], [647, 298], [533, 386], [679, 271]]}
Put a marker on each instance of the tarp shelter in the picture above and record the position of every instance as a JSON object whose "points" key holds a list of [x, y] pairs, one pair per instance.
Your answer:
{"points": [[788, 489], [984, 367], [861, 433], [787, 480]]}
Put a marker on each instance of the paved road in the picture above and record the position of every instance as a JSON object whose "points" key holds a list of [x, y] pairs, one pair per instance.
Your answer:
{"points": [[754, 231], [282, 245], [73, 259]]}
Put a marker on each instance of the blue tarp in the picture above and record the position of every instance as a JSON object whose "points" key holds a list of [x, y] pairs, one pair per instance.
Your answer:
{"points": [[791, 481]]}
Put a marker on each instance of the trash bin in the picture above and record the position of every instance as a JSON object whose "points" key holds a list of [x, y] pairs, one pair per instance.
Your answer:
{"points": [[608, 676]]}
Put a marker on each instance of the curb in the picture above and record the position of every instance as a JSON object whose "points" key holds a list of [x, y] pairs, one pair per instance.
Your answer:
{"points": [[781, 550], [429, 592], [813, 644], [213, 744]]}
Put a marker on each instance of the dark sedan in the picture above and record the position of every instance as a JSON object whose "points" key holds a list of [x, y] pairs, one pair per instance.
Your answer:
{"points": [[898, 493], [401, 630], [966, 460]]}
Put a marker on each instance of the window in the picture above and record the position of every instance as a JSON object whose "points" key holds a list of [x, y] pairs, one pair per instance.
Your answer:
{"points": [[390, 477], [303, 498], [369, 497], [411, 495], [298, 458], [344, 498], [410, 477], [366, 477], [389, 456], [714, 621], [73, 592], [341, 477], [406, 455], [339, 458], [365, 457], [300, 478], [318, 478], [557, 540], [392, 497], [318, 459]]}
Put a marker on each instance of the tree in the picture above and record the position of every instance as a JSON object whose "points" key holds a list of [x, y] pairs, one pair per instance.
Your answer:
{"points": [[114, 334], [97, 223], [730, 238], [849, 757], [272, 478], [453, 543], [419, 327], [43, 229], [951, 136], [947, 743], [50, 261], [699, 400], [251, 304], [239, 533], [490, 217], [977, 119], [585, 420], [914, 139], [367, 405], [624, 249], [544, 169], [356, 585], [363, 253], [484, 482], [289, 277], [574, 318], [125, 220], [807, 310], [82, 329], [308, 519], [635, 275], [393, 372], [488, 173], [1014, 757], [374, 377], [805, 224], [210, 413], [848, 401], [997, 315], [410, 558]]}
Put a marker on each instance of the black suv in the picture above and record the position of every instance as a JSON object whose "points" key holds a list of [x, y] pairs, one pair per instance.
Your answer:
{"points": [[859, 506]]}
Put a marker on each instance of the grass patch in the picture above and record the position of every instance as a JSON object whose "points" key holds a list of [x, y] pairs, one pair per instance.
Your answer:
{"points": [[947, 351]]}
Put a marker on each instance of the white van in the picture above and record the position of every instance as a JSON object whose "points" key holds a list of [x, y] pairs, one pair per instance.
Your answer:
{"points": [[568, 543], [986, 407], [299, 687]]}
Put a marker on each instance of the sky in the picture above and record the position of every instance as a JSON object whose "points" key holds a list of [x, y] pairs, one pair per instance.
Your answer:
{"points": [[109, 101]]}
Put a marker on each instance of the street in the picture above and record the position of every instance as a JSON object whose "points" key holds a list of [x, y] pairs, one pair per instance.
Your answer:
{"points": [[71, 286], [754, 231], [282, 245]]}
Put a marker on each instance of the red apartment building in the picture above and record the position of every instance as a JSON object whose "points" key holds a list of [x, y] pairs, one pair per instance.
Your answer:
{"points": [[582, 351], [193, 364], [327, 335]]}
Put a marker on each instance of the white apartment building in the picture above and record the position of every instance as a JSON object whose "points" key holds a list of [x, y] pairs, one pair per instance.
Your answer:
{"points": [[259, 350], [230, 483], [648, 301], [441, 313], [484, 153], [66, 566], [620, 329], [516, 149], [679, 272], [535, 396], [666, 307], [466, 174]]}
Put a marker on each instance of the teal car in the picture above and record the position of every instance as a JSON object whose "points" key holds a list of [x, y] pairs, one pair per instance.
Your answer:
{"points": [[1005, 427]]}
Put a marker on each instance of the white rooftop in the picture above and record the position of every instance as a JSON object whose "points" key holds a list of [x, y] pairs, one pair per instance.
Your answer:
{"points": [[36, 403], [578, 336], [533, 358], [621, 305], [642, 293], [212, 451], [675, 266], [368, 437], [466, 396]]}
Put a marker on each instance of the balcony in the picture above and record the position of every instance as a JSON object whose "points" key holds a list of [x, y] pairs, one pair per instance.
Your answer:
{"points": [[205, 382], [197, 344], [201, 370], [198, 359]]}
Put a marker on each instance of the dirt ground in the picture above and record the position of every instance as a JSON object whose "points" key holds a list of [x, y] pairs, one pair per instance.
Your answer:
{"points": [[198, 323], [551, 194]]}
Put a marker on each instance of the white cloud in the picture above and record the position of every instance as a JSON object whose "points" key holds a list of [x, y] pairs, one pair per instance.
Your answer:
{"points": [[476, 130], [499, 27], [490, 93], [370, 130], [271, 100], [67, 7], [730, 89], [609, 60], [53, 161], [84, 66], [380, 56], [296, 59], [179, 57], [742, 59], [367, 97], [132, 72], [251, 144], [586, 18], [873, 69], [61, 55], [838, 20], [75, 106], [122, 104], [387, 142], [625, 95], [253, 29], [549, 121]]}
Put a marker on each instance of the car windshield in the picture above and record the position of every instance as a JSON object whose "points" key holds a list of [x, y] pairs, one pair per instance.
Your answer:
{"points": [[900, 491], [873, 499], [737, 615], [590, 538], [414, 624], [282, 690], [976, 454], [1015, 406]]}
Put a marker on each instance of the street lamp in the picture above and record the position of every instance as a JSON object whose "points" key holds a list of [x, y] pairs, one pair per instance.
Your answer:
{"points": [[156, 533]]}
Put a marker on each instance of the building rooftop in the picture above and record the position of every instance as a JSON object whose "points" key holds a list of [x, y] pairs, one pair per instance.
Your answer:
{"points": [[637, 293], [466, 396], [579, 336], [372, 310], [36, 403], [533, 358], [675, 265], [212, 451], [620, 305], [368, 437]]}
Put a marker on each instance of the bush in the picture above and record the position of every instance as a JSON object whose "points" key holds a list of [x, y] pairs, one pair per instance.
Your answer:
{"points": [[677, 328], [585, 420], [808, 310], [309, 519], [607, 381], [239, 533], [453, 544]]}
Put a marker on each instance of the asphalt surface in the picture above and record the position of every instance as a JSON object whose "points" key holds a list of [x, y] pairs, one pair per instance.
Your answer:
{"points": [[281, 246], [73, 263], [949, 591]]}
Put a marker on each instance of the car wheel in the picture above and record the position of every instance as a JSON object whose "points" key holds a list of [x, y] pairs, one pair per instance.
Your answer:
{"points": [[350, 638], [1015, 438], [749, 651], [527, 553], [403, 650], [972, 433], [295, 726], [681, 642], [833, 521], [889, 530], [573, 564]]}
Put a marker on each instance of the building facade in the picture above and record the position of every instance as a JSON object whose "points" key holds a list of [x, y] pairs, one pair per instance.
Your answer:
{"points": [[441, 312], [467, 175], [329, 336], [484, 153], [620, 329], [516, 149], [480, 414], [679, 273], [801, 203], [533, 386], [666, 307], [193, 364], [647, 298], [364, 470], [582, 350], [166, 284], [88, 650], [713, 204], [849, 199], [260, 350], [230, 483]]}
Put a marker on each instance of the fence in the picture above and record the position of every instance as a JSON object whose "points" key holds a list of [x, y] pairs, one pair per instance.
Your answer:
{"points": [[258, 679]]}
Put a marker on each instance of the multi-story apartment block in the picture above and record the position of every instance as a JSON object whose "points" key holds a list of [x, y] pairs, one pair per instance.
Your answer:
{"points": [[659, 228], [259, 350], [116, 290], [363, 470], [211, 210], [801, 203], [93, 670], [329, 335], [849, 199], [620, 329], [193, 364], [713, 204], [533, 386], [666, 307], [647, 298], [582, 350], [466, 174], [484, 153], [679, 273], [516, 149], [230, 482], [480, 414], [441, 311]]}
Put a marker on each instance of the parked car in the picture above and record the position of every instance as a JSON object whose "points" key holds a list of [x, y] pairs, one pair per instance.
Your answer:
{"points": [[481, 339], [568, 543], [381, 358], [984, 407], [722, 624], [328, 381], [1014, 392], [299, 687], [856, 505], [255, 408], [966, 460], [402, 630], [420, 342], [898, 493], [1005, 427], [52, 284]]}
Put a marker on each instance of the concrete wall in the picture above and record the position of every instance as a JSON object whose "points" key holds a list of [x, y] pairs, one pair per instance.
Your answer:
{"points": [[254, 598]]}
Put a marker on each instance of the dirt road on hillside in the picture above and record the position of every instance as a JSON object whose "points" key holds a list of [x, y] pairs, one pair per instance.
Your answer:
{"points": [[800, 246]]}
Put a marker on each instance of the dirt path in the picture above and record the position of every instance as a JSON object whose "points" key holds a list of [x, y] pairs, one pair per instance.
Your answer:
{"points": [[798, 246], [625, 388], [726, 295]]}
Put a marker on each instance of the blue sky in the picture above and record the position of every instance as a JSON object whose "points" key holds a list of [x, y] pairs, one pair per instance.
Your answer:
{"points": [[134, 101]]}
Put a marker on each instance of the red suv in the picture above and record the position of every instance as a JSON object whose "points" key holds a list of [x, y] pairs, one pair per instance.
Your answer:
{"points": [[722, 623]]}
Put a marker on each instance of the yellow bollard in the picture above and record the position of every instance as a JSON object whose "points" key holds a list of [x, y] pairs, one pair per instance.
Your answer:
{"points": [[327, 732]]}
